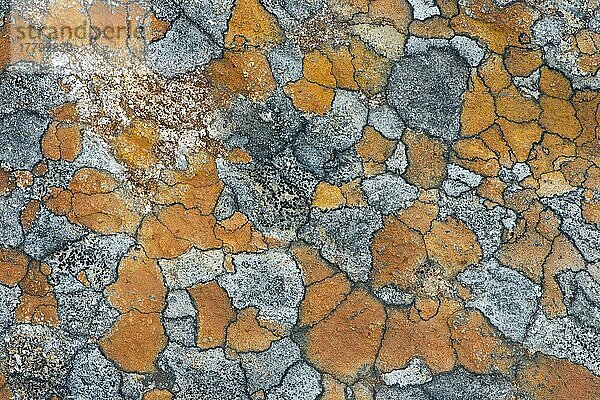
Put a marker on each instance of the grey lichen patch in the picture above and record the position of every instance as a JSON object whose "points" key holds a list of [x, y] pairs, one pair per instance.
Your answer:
{"points": [[193, 267], [93, 377], [389, 193], [344, 238], [426, 90]]}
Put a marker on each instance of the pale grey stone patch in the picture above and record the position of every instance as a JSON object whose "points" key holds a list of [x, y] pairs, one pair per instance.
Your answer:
{"points": [[211, 15], [179, 304], [49, 233], [460, 384], [20, 134], [455, 188], [183, 49], [418, 45], [290, 13], [203, 374], [488, 224], [97, 255], [565, 337], [270, 281], [302, 382], [415, 373], [276, 199], [225, 206], [337, 131], [516, 174], [95, 153], [460, 180], [581, 296], [529, 85], [181, 330], [469, 49], [30, 92], [93, 377], [386, 121], [11, 231], [36, 360], [398, 161], [393, 295], [266, 369], [389, 193], [423, 9], [82, 311], [585, 236], [506, 297], [398, 393], [344, 238], [426, 90], [286, 62], [193, 267], [9, 299]]}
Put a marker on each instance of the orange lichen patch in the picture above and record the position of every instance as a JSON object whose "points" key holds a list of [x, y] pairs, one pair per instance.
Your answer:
{"points": [[135, 146], [322, 298], [92, 181], [6, 393], [38, 303], [318, 69], [62, 141], [65, 13], [559, 116], [545, 154], [395, 12], [345, 344], [590, 210], [419, 216], [112, 22], [244, 72], [82, 277], [333, 389], [245, 333], [497, 26], [479, 348], [310, 97], [139, 285], [426, 160], [158, 394], [426, 307], [346, 9], [238, 234], [398, 252], [520, 137], [494, 73], [374, 147], [190, 225], [197, 187], [7, 183], [156, 28], [448, 8], [512, 105], [65, 113], [353, 193], [478, 112], [251, 25], [13, 266], [29, 214], [474, 149], [239, 156], [548, 225], [526, 254], [158, 241], [575, 171], [549, 378], [554, 83], [433, 27], [23, 178], [522, 62], [494, 139], [563, 256], [328, 197], [452, 245], [407, 337], [134, 341], [341, 67], [58, 200], [314, 267], [492, 189], [589, 63], [214, 313], [553, 184], [371, 69]]}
